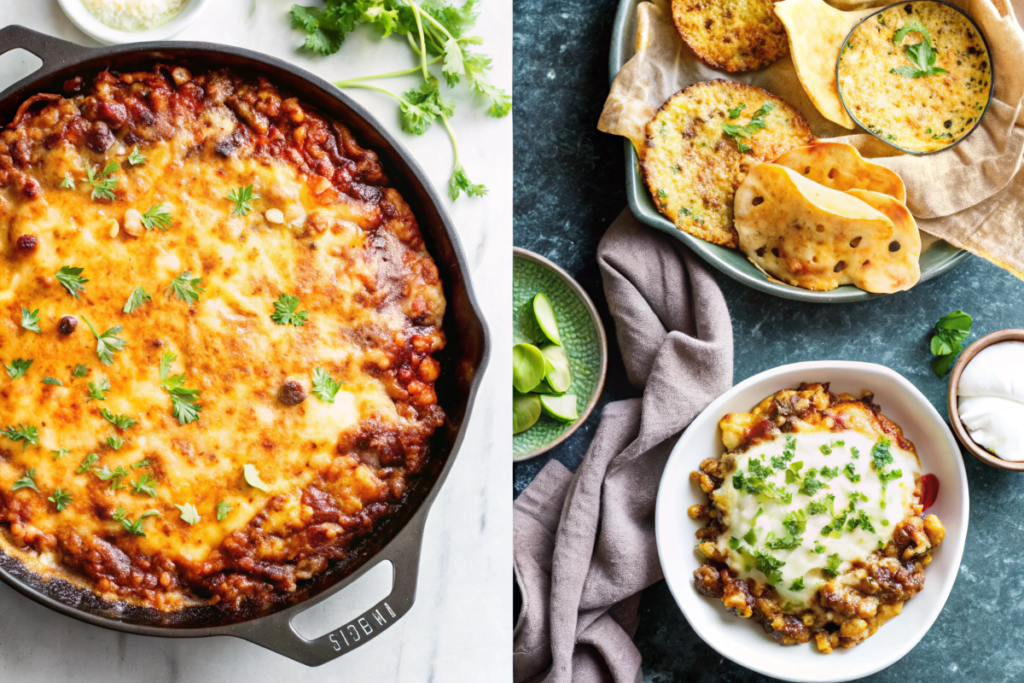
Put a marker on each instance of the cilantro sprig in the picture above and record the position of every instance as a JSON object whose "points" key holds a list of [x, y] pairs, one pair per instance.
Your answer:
{"points": [[326, 387], [98, 389], [72, 279], [951, 331], [157, 217], [30, 320], [921, 55], [134, 528], [184, 401], [286, 313], [243, 197], [437, 33], [744, 132], [186, 287], [27, 434], [138, 297], [107, 343], [103, 184], [27, 482], [60, 498], [18, 367]]}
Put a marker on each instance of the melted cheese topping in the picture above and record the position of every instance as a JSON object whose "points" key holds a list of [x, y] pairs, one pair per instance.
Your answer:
{"points": [[226, 344], [761, 519]]}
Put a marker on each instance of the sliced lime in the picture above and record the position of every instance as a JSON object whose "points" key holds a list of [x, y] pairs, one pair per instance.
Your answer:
{"points": [[528, 367], [545, 314], [545, 388], [556, 371], [525, 411], [561, 408]]}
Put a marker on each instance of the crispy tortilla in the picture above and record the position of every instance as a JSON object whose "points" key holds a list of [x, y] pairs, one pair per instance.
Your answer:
{"points": [[839, 166], [733, 35]]}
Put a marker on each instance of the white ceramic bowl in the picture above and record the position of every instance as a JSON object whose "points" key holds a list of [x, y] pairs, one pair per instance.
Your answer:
{"points": [[94, 28], [744, 641]]}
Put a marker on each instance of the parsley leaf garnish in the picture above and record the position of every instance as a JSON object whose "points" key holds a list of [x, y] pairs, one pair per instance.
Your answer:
{"points": [[136, 157], [818, 548], [735, 111], [27, 434], [60, 498], [138, 297], [87, 462], [243, 197], [832, 566], [252, 477], [107, 343], [18, 367], [27, 482], [189, 514], [121, 515], [68, 183], [951, 331], [285, 313], [30, 320], [186, 287], [921, 55], [115, 442], [60, 453], [72, 279], [80, 371], [113, 476], [755, 124], [222, 510], [797, 585], [324, 386], [851, 473], [140, 464], [53, 380], [145, 484], [769, 566], [183, 399], [98, 389], [157, 217], [122, 422], [104, 184]]}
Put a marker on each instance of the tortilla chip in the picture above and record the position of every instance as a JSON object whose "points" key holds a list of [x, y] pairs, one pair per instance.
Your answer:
{"points": [[905, 246], [839, 166], [816, 33]]}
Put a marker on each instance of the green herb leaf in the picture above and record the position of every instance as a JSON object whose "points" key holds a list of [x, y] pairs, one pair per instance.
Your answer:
{"points": [[103, 185], [819, 548], [186, 287], [30, 320], [252, 477], [243, 197], [951, 331], [27, 434], [68, 183], [107, 343], [851, 473], [285, 311], [27, 482], [53, 380], [133, 527], [832, 566], [460, 182], [735, 111], [797, 585], [72, 279], [60, 453], [184, 401], [140, 464], [98, 389], [222, 510], [60, 498], [122, 422], [136, 157], [755, 124], [18, 367], [921, 55], [115, 442], [87, 462], [157, 217], [145, 484], [138, 297], [768, 565], [113, 476], [324, 386], [80, 371], [189, 514]]}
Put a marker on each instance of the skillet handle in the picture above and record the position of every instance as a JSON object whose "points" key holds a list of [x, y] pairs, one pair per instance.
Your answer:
{"points": [[276, 632], [53, 51]]}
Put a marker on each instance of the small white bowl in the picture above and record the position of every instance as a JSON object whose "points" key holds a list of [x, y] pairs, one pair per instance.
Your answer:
{"points": [[744, 641], [94, 28]]}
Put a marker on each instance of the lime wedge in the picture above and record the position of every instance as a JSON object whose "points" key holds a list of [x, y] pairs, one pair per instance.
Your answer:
{"points": [[525, 412], [562, 408], [528, 367], [556, 370], [545, 388], [545, 315]]}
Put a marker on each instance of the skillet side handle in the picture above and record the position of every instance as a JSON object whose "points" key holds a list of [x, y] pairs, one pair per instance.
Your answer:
{"points": [[277, 633], [51, 50]]}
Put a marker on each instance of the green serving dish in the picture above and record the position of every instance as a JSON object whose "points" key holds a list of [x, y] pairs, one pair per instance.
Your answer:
{"points": [[938, 259], [582, 334]]}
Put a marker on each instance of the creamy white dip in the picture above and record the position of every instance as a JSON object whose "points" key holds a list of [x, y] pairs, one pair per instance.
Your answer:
{"points": [[849, 477], [991, 399], [134, 15]]}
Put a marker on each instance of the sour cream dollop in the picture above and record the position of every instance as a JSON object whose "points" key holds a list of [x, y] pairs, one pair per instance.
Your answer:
{"points": [[991, 399]]}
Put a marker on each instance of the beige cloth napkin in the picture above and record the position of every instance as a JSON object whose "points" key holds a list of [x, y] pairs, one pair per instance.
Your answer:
{"points": [[971, 195], [583, 544]]}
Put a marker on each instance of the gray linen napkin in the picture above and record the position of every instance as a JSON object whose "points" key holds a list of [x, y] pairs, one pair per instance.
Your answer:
{"points": [[583, 544]]}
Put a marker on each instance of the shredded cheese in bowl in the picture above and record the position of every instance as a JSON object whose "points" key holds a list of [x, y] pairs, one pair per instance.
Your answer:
{"points": [[134, 15]]}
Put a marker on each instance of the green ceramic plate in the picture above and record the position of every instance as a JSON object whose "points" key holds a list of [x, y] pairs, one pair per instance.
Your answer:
{"points": [[582, 335], [938, 259]]}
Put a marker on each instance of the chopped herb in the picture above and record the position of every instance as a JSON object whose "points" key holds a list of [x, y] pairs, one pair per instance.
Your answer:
{"points": [[797, 585], [189, 514], [827, 448], [769, 566], [886, 477], [145, 484], [951, 331], [285, 311], [136, 157], [862, 521], [157, 217], [851, 473], [811, 485], [87, 463], [53, 380], [98, 389], [80, 371], [122, 422], [27, 434], [921, 55], [222, 510], [750, 537], [27, 482], [855, 452], [880, 455], [68, 183], [885, 522], [60, 453], [243, 198], [72, 279], [819, 548], [60, 498], [734, 543], [755, 124], [104, 184], [252, 477], [18, 367], [186, 287], [140, 464], [326, 388], [817, 507], [183, 400], [138, 297], [30, 320], [115, 442], [121, 515], [113, 476], [793, 473], [832, 566], [107, 343], [795, 523], [735, 111]]}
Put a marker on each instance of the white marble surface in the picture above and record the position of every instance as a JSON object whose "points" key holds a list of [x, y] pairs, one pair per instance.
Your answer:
{"points": [[459, 628]]}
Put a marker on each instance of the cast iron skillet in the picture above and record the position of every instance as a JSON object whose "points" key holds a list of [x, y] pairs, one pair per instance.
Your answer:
{"points": [[399, 537]]}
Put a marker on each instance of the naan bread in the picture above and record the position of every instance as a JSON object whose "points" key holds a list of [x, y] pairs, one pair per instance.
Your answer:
{"points": [[839, 166], [733, 35], [810, 236]]}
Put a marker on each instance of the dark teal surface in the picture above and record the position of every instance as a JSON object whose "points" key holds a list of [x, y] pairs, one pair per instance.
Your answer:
{"points": [[569, 186]]}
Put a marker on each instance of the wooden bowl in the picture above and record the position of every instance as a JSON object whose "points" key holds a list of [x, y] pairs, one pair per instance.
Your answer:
{"points": [[951, 399]]}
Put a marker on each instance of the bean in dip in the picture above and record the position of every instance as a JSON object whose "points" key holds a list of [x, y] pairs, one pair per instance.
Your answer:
{"points": [[815, 526], [991, 399], [134, 15], [918, 75]]}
